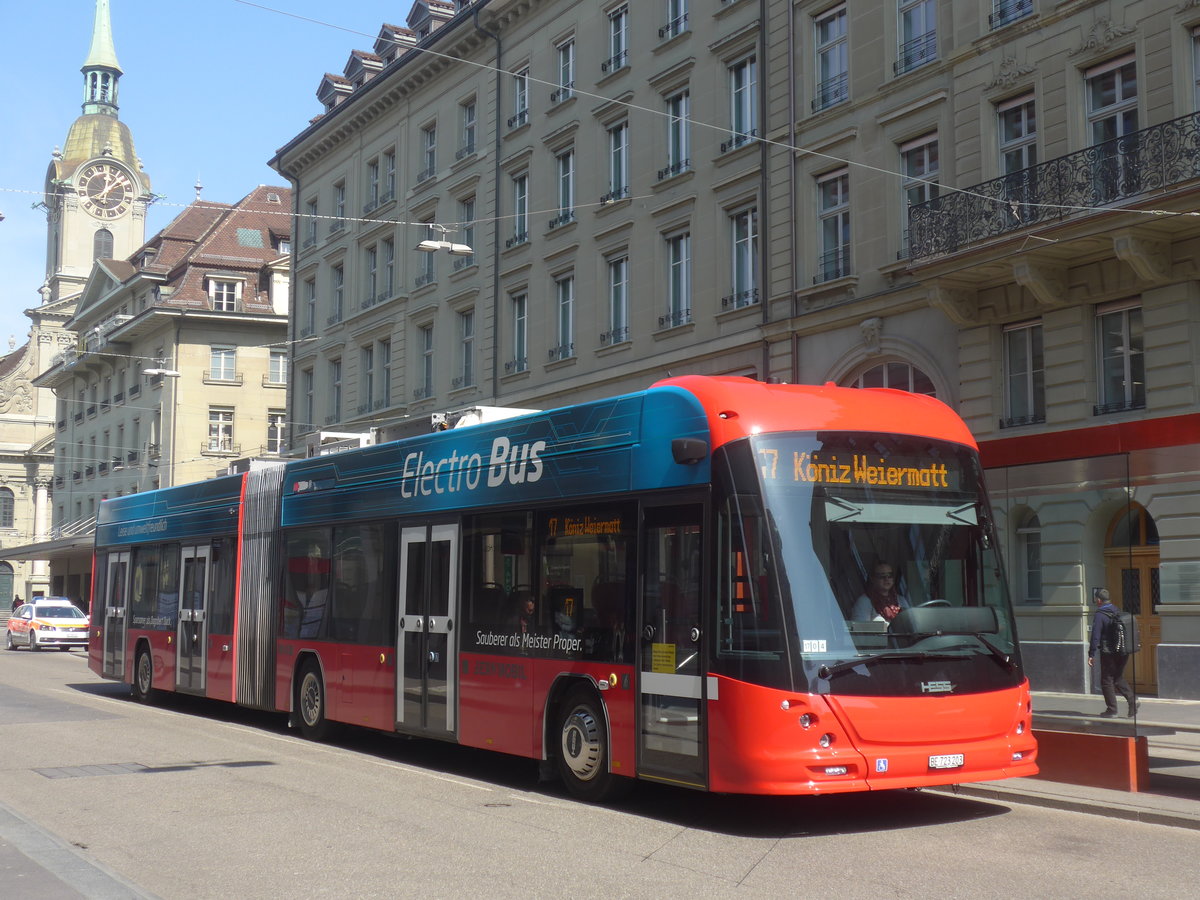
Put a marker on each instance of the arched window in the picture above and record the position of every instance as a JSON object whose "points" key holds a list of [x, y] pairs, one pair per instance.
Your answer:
{"points": [[102, 244], [1029, 558], [898, 375], [7, 507]]}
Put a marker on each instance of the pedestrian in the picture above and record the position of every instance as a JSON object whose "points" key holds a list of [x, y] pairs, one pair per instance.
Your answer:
{"points": [[1112, 663], [17, 601]]}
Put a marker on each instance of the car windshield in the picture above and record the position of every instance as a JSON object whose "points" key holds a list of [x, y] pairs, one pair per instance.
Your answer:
{"points": [[860, 563], [57, 612]]}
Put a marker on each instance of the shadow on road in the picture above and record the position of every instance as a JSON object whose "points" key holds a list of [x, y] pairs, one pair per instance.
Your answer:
{"points": [[741, 816]]}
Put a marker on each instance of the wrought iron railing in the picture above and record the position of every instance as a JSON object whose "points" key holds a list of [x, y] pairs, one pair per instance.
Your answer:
{"points": [[1065, 188], [832, 91]]}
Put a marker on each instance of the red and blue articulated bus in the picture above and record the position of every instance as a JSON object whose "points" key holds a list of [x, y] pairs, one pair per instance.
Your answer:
{"points": [[671, 585]]}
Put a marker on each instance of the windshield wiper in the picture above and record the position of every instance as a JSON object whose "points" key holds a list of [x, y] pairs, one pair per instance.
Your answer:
{"points": [[827, 672], [1000, 656]]}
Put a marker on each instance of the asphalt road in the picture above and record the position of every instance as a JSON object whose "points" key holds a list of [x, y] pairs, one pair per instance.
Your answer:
{"points": [[193, 799]]}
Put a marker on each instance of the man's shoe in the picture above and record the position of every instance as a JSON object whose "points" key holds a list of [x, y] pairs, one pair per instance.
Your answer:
{"points": [[1108, 714], [1133, 709]]}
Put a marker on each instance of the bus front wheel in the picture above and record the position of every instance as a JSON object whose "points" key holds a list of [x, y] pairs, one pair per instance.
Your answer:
{"points": [[583, 749], [143, 677], [310, 704]]}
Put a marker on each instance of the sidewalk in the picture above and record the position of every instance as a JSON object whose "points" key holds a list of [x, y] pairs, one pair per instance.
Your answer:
{"points": [[1172, 728]]}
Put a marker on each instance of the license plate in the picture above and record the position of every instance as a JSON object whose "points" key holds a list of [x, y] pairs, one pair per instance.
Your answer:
{"points": [[946, 761]]}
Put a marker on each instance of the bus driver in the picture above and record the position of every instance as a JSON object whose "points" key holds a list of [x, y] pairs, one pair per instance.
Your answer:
{"points": [[880, 600]]}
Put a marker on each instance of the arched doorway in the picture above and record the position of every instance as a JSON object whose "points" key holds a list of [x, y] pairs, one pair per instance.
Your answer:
{"points": [[1131, 567]]}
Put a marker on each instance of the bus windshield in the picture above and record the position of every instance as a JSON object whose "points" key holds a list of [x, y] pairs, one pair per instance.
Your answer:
{"points": [[859, 564]]}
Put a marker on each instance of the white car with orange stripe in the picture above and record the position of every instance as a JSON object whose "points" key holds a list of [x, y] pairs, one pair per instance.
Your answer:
{"points": [[45, 623]]}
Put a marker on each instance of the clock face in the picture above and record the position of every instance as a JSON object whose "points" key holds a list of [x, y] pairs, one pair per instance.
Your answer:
{"points": [[105, 191]]}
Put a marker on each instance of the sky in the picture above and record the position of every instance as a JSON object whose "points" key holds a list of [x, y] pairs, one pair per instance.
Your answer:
{"points": [[211, 89]]}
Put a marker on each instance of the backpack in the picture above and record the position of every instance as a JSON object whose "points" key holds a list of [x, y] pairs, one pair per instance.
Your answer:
{"points": [[1122, 634]]}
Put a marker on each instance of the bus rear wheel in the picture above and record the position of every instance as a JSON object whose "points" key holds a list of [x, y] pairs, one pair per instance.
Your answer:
{"points": [[583, 757], [310, 703], [143, 678]]}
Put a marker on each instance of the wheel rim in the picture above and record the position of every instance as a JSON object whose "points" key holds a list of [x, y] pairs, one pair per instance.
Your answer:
{"points": [[310, 699], [145, 674], [582, 743]]}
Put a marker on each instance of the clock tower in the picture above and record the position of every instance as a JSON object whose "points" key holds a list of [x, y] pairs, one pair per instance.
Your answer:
{"points": [[96, 191]]}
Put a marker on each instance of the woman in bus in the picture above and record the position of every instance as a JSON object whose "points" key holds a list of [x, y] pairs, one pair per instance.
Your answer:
{"points": [[880, 600]]}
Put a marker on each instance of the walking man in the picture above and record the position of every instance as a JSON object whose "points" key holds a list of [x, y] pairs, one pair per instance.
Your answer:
{"points": [[1112, 663]]}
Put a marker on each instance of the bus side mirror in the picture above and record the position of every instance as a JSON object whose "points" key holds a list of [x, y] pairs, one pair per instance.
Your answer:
{"points": [[689, 451]]}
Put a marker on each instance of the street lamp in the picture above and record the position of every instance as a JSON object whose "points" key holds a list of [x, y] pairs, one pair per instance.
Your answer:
{"points": [[429, 245]]}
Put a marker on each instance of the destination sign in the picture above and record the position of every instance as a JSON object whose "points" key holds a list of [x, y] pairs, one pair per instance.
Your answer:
{"points": [[859, 469]]}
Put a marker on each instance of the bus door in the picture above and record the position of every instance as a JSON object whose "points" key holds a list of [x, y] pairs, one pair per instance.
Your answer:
{"points": [[192, 634], [116, 597], [425, 656], [671, 720]]}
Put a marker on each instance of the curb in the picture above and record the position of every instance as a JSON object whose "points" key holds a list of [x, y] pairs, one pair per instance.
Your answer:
{"points": [[1097, 807]]}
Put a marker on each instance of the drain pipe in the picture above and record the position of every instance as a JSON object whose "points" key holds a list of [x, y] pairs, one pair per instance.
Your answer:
{"points": [[496, 329]]}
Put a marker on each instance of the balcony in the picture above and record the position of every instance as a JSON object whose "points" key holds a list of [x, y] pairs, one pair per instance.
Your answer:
{"points": [[562, 351], [465, 150], [615, 336], [832, 91], [617, 61], [564, 93], [520, 237], [1068, 188], [675, 168], [1006, 12], [516, 365], [518, 119], [674, 28], [614, 195], [218, 376], [675, 319], [220, 446], [739, 139], [832, 264], [740, 299], [563, 218], [916, 53]]}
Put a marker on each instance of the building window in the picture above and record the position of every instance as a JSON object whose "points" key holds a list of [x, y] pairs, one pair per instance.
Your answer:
{"points": [[428, 153], [278, 370], [1024, 375], [618, 162], [385, 373], [224, 295], [564, 165], [389, 176], [743, 97], [679, 281], [466, 118], [1119, 343], [1112, 100], [564, 289], [618, 40], [366, 368], [222, 363], [7, 508], [520, 334], [566, 72], [220, 429], [520, 98], [466, 348], [466, 228], [743, 233], [833, 59], [920, 167], [1196, 68], [335, 392], [618, 301], [679, 149], [372, 185], [899, 376], [1018, 134], [339, 206], [1029, 552], [310, 223], [337, 285], [833, 208], [102, 244], [309, 327], [370, 275], [389, 269], [308, 385], [425, 361], [520, 210], [677, 20], [275, 425], [918, 34], [427, 262]]}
